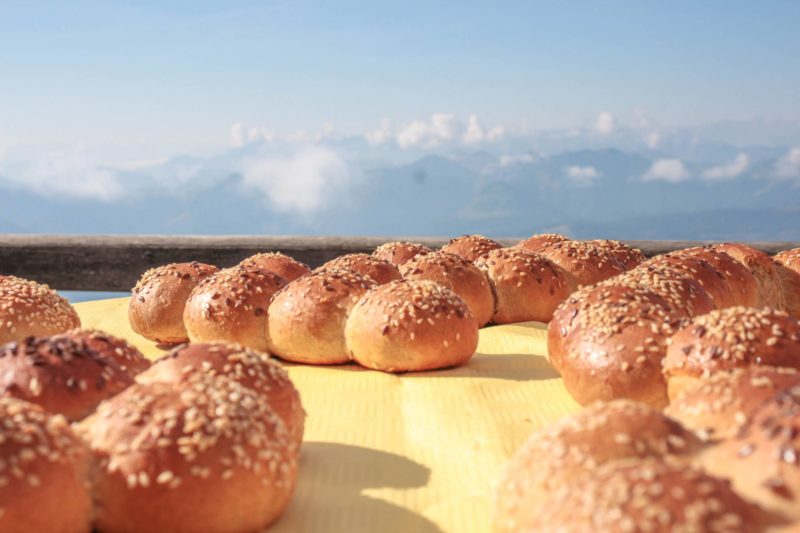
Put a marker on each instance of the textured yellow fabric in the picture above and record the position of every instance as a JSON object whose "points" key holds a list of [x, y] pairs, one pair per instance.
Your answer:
{"points": [[406, 453]]}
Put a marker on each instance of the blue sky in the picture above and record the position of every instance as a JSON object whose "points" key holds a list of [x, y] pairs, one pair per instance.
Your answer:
{"points": [[179, 76]]}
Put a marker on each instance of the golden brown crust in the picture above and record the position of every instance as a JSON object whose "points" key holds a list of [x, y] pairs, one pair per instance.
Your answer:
{"points": [[565, 453], [29, 309], [629, 256], [737, 337], [588, 263], [608, 342], [743, 285], [155, 310], [62, 374], [411, 325], [306, 318], [207, 455], [231, 306], [286, 267], [789, 259], [378, 270], [536, 243], [470, 247], [458, 275], [527, 286], [701, 271], [787, 267], [398, 253], [44, 480], [718, 406], [129, 358], [253, 369], [763, 269]]}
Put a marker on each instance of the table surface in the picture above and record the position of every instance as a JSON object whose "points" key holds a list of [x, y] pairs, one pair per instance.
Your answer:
{"points": [[416, 452]]}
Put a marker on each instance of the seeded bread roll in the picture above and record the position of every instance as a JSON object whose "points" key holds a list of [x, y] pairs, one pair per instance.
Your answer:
{"points": [[231, 306], [718, 407], [528, 286], [255, 370], [743, 285], [286, 267], [763, 460], [411, 325], [537, 243], [378, 270], [737, 337], [789, 259], [458, 275], [208, 455], [787, 265], [571, 450], [29, 309], [470, 247], [763, 269], [708, 277], [306, 318], [608, 343], [155, 310], [398, 253], [127, 356], [588, 263], [44, 477], [629, 256], [648, 495], [62, 374]]}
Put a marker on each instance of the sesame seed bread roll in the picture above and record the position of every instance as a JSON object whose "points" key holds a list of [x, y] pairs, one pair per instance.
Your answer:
{"points": [[649, 494], [378, 270], [306, 318], [411, 325], [61, 374], [127, 356], [528, 286], [537, 243], [30, 309], [718, 407], [255, 370], [708, 277], [398, 253], [459, 275], [737, 337], [629, 256], [763, 269], [787, 265], [763, 460], [743, 285], [789, 259], [567, 452], [208, 455], [231, 306], [470, 247], [155, 310], [588, 263], [44, 484], [286, 267], [608, 343]]}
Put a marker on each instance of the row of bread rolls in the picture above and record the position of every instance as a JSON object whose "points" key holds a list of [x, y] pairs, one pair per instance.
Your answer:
{"points": [[204, 439]]}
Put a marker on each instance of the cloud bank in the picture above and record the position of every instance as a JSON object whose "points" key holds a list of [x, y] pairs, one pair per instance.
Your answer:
{"points": [[669, 170], [728, 170]]}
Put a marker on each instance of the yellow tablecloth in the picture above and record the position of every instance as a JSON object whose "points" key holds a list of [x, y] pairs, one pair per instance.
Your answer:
{"points": [[410, 453]]}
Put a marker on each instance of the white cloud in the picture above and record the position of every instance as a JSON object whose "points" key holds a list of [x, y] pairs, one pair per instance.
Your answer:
{"points": [[381, 135], [581, 175], [671, 170], [604, 124], [301, 182], [652, 139], [788, 166], [441, 128], [728, 170], [237, 135], [261, 134]]}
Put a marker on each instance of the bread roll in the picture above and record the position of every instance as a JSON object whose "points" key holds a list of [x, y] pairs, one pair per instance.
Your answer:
{"points": [[588, 263], [718, 406], [44, 473], [762, 460], [787, 265], [208, 455], [789, 259], [571, 450], [528, 286], [306, 318], [763, 269], [398, 253], [255, 370], [608, 343], [537, 243], [286, 267], [411, 325], [743, 285], [629, 256], [708, 277], [30, 309], [155, 310], [470, 247], [737, 337], [62, 374], [378, 270], [458, 275], [231, 306], [127, 356]]}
